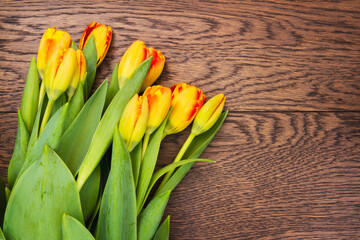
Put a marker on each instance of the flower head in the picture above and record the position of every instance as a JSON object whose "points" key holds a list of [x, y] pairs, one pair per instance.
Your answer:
{"points": [[156, 68], [186, 102], [133, 121], [102, 36], [79, 73], [50, 41]]}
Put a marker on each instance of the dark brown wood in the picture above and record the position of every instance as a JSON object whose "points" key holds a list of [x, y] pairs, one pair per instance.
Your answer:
{"points": [[288, 156]]}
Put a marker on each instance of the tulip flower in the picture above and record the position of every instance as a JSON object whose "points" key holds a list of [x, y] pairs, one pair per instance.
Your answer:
{"points": [[157, 66], [208, 114], [102, 36], [133, 121], [79, 73], [131, 59], [159, 99], [50, 41], [59, 73], [186, 102]]}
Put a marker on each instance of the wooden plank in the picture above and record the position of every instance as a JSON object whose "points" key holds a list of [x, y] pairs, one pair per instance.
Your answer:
{"points": [[265, 56], [277, 175]]}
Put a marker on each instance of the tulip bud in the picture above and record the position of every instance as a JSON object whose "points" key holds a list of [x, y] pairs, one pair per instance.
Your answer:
{"points": [[79, 73], [59, 72], [208, 114], [186, 102], [102, 36], [50, 41], [131, 59], [157, 65], [159, 99], [133, 121]]}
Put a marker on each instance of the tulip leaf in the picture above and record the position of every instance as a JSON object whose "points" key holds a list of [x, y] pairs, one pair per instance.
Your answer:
{"points": [[117, 216], [148, 164], [7, 194], [150, 218], [75, 105], [18, 157], [58, 103], [76, 139], [34, 135], [166, 169], [113, 87], [2, 237], [42, 194], [103, 134], [164, 230], [73, 229], [30, 98], [89, 194], [195, 149], [90, 55], [50, 135], [135, 155], [3, 200], [73, 46]]}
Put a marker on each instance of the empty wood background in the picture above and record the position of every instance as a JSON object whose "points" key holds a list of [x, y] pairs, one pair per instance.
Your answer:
{"points": [[288, 156]]}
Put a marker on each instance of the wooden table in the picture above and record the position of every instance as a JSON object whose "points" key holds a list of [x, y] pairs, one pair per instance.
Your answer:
{"points": [[288, 155]]}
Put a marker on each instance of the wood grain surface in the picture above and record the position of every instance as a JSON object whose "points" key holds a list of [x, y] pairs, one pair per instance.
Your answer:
{"points": [[288, 156]]}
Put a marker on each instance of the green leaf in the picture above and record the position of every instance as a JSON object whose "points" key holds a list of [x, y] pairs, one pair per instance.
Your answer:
{"points": [[90, 55], [30, 98], [75, 105], [76, 139], [35, 130], [150, 218], [195, 149], [2, 237], [163, 232], [72, 229], [50, 136], [89, 194], [136, 161], [166, 169], [58, 104], [18, 157], [42, 194], [148, 164], [113, 87], [103, 134], [73, 46], [117, 216], [7, 194], [2, 200]]}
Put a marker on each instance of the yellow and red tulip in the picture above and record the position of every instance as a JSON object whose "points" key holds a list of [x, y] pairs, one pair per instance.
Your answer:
{"points": [[79, 73], [208, 114], [131, 59], [50, 41], [102, 36], [60, 72], [133, 121], [159, 99], [186, 102], [156, 68]]}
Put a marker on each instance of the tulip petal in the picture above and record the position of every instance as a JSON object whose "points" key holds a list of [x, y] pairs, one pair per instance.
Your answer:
{"points": [[117, 216], [73, 229], [195, 149], [103, 134], [39, 199]]}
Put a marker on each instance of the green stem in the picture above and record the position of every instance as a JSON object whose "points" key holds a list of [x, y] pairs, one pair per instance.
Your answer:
{"points": [[42, 92], [178, 158], [47, 114], [145, 145]]}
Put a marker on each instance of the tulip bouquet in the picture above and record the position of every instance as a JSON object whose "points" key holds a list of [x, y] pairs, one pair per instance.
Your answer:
{"points": [[83, 166]]}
